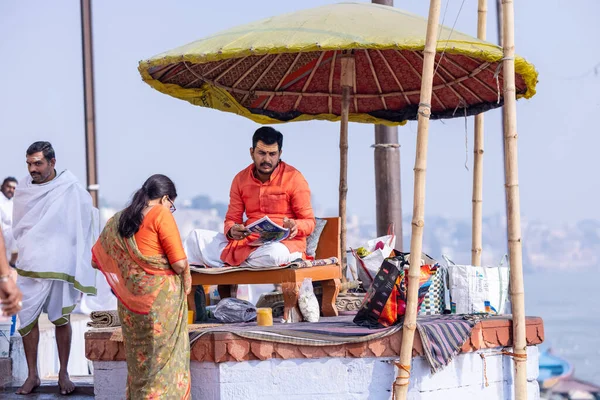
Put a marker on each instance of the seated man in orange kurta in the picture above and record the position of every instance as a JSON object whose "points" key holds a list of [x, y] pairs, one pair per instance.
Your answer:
{"points": [[269, 187]]}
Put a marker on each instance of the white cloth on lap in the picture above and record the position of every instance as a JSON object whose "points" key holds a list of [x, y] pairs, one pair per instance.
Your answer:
{"points": [[204, 247]]}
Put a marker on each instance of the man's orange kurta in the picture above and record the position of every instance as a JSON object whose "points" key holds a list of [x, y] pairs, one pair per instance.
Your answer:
{"points": [[286, 194]]}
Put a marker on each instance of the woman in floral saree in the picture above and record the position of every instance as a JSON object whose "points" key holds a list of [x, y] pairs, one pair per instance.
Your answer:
{"points": [[141, 254]]}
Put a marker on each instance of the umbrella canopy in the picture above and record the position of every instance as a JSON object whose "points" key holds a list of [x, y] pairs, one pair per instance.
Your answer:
{"points": [[288, 68]]}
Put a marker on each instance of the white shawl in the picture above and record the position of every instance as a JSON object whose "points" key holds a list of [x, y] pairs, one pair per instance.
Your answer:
{"points": [[55, 226]]}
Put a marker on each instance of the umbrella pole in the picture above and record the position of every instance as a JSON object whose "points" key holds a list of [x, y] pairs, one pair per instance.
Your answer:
{"points": [[416, 240], [477, 206], [88, 99], [347, 83], [511, 185]]}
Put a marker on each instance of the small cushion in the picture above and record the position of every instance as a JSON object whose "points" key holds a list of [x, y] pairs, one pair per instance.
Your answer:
{"points": [[313, 240]]}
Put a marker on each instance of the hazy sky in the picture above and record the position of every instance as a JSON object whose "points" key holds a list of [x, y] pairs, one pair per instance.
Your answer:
{"points": [[141, 131]]}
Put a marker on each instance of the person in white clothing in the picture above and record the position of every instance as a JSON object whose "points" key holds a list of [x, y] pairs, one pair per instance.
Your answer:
{"points": [[10, 295], [55, 226], [6, 216]]}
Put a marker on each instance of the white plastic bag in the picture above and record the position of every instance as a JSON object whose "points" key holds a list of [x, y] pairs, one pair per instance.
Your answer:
{"points": [[472, 286], [308, 303], [368, 266]]}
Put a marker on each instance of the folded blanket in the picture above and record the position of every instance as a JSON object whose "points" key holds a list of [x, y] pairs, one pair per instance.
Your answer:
{"points": [[312, 263], [104, 319]]}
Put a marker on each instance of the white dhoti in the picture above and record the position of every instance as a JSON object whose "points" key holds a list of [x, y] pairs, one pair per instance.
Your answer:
{"points": [[204, 247], [55, 297]]}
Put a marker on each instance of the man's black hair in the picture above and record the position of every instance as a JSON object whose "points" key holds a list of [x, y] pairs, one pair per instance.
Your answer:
{"points": [[44, 147], [267, 135], [10, 179]]}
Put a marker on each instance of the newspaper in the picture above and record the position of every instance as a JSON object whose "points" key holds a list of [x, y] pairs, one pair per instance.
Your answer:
{"points": [[268, 230]]}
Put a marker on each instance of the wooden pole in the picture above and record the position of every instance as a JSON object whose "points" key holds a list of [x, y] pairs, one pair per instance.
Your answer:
{"points": [[88, 97], [388, 199], [500, 22], [418, 219], [476, 234], [511, 183], [347, 82]]}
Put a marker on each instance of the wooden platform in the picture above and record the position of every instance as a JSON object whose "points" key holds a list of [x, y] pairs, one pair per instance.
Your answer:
{"points": [[290, 279]]}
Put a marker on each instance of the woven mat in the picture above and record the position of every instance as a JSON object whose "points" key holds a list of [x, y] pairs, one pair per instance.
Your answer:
{"points": [[117, 333], [328, 331]]}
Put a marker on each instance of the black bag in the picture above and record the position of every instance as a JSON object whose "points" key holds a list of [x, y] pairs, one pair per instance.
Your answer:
{"points": [[200, 300]]}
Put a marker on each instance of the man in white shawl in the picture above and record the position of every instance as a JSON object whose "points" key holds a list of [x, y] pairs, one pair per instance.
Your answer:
{"points": [[55, 226], [6, 215]]}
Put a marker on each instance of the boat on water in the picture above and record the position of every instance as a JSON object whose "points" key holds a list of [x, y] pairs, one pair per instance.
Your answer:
{"points": [[557, 380]]}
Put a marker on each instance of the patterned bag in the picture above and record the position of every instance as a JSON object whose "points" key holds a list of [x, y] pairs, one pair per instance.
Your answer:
{"points": [[385, 302], [435, 300], [372, 312]]}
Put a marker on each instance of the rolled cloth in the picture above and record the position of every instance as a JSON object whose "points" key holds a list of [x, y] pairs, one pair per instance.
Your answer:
{"points": [[104, 319]]}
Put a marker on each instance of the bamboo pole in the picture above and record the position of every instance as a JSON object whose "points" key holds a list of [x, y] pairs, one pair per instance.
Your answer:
{"points": [[477, 206], [511, 183], [500, 23], [416, 241], [347, 83]]}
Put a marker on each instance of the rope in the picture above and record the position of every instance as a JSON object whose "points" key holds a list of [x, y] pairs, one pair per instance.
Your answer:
{"points": [[449, 36], [425, 106], [516, 357], [405, 368], [484, 369], [466, 143], [385, 146], [443, 19], [497, 73], [464, 105]]}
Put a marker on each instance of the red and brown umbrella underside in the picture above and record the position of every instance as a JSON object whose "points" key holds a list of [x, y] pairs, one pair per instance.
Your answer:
{"points": [[387, 84]]}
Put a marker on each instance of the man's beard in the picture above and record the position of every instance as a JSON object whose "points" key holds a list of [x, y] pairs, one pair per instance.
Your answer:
{"points": [[37, 177]]}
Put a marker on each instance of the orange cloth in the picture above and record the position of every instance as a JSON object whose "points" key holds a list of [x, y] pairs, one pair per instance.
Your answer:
{"points": [[286, 194], [158, 235]]}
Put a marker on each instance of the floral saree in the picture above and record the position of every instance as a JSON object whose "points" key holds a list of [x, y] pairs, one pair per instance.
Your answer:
{"points": [[153, 312]]}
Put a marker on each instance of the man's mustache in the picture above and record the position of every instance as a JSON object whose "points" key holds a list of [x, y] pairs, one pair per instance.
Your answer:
{"points": [[266, 165]]}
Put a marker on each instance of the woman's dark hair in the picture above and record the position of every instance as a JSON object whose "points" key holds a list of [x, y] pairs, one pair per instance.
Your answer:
{"points": [[155, 187]]}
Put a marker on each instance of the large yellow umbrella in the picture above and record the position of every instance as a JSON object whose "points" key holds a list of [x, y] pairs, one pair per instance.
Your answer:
{"points": [[349, 61]]}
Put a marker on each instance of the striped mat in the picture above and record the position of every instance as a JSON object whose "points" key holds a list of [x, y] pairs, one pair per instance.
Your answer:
{"points": [[327, 332], [443, 336]]}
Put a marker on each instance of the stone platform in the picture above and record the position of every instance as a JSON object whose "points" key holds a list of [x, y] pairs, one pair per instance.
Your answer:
{"points": [[225, 366]]}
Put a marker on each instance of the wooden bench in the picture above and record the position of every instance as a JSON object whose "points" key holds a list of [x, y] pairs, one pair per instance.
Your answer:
{"points": [[290, 279]]}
